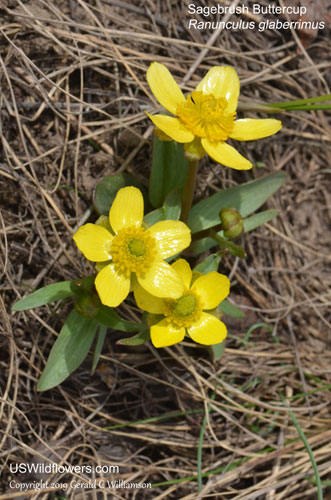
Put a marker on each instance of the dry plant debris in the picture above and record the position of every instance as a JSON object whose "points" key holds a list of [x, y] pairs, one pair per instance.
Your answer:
{"points": [[73, 101]]}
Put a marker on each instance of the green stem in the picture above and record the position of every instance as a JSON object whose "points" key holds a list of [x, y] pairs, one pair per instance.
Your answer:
{"points": [[311, 456], [205, 233], [188, 191], [228, 245]]}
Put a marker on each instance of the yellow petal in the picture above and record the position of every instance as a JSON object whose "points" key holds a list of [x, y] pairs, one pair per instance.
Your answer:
{"points": [[173, 127], [171, 237], [127, 209], [183, 269], [249, 129], [162, 281], [112, 287], [222, 81], [163, 334], [94, 242], [208, 330], [212, 288], [164, 87], [226, 155], [148, 302]]}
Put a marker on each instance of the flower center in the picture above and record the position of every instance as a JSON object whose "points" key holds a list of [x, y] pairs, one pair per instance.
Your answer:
{"points": [[132, 251], [137, 247], [206, 116], [184, 311]]}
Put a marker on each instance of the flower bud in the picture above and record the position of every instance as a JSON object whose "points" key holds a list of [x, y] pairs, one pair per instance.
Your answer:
{"points": [[232, 223]]}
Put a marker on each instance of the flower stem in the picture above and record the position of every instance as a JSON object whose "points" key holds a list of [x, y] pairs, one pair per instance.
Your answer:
{"points": [[188, 191], [205, 233]]}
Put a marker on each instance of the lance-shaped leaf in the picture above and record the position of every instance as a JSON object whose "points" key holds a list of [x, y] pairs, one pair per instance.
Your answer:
{"points": [[54, 292], [216, 351], [231, 310], [246, 198], [102, 331], [49, 293], [138, 339], [259, 219], [170, 210], [69, 351], [172, 205], [250, 223], [169, 167], [209, 264]]}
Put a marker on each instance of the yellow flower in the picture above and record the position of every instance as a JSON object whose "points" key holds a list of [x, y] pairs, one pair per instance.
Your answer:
{"points": [[206, 118], [125, 249], [186, 314]]}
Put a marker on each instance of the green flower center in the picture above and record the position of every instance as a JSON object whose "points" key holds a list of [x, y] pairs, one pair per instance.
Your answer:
{"points": [[132, 251], [137, 247], [185, 305], [184, 311], [206, 116]]}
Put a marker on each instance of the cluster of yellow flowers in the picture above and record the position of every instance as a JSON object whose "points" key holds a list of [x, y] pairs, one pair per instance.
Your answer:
{"points": [[130, 256], [206, 118]]}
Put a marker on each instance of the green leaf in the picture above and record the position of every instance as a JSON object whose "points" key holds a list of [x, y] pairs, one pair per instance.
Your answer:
{"points": [[172, 205], [246, 198], [231, 310], [257, 220], [107, 188], [310, 100], [138, 339], [250, 223], [49, 293], [217, 350], [203, 245], [54, 292], [154, 216], [108, 317], [169, 167], [99, 345], [69, 351], [170, 209], [209, 264]]}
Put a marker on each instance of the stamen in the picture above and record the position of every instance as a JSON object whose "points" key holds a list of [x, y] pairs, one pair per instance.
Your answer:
{"points": [[132, 250], [184, 311], [206, 116]]}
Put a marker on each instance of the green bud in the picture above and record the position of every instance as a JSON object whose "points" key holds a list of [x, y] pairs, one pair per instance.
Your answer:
{"points": [[232, 223]]}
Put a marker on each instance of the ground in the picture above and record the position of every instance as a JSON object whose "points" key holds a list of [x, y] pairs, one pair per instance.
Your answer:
{"points": [[73, 102]]}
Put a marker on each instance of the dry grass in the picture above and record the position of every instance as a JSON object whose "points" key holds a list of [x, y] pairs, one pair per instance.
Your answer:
{"points": [[73, 104]]}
